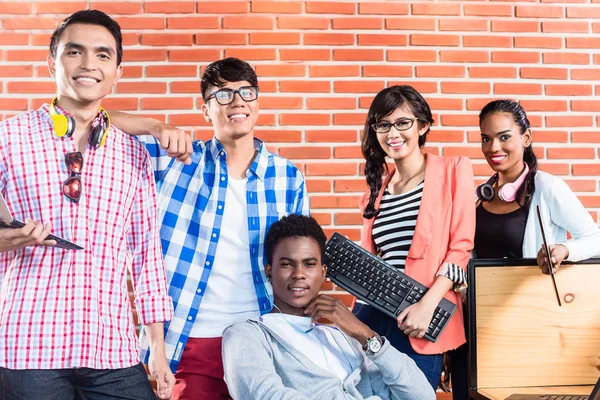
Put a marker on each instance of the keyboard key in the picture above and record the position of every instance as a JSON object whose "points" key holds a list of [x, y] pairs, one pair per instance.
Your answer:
{"points": [[347, 283]]}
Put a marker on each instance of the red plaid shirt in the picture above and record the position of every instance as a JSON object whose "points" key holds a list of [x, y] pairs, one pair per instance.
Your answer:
{"points": [[65, 308]]}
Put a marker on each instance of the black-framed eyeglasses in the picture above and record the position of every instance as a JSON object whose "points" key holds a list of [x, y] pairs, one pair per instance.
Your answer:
{"points": [[72, 186], [401, 124], [226, 96]]}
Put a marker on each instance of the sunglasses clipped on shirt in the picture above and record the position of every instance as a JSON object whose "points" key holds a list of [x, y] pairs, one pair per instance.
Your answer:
{"points": [[401, 124], [72, 185], [226, 96]]}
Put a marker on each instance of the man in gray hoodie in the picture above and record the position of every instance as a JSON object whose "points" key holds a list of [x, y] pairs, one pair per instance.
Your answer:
{"points": [[286, 354]]}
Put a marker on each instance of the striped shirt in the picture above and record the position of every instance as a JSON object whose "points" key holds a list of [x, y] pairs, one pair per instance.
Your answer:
{"points": [[190, 212], [70, 309], [394, 227]]}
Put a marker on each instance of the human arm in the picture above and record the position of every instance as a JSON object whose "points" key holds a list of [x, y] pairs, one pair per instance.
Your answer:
{"points": [[248, 365], [159, 368], [415, 319], [32, 234], [176, 142]]}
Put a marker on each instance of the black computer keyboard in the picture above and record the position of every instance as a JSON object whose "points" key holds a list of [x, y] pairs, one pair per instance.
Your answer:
{"points": [[384, 287]]}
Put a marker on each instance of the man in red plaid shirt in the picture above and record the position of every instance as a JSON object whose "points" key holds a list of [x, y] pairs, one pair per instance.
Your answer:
{"points": [[66, 324]]}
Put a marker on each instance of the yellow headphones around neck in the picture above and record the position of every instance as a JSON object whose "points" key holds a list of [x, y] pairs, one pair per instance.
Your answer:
{"points": [[64, 125]]}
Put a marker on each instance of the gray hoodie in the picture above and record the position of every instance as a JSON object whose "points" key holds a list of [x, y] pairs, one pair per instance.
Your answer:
{"points": [[259, 365]]}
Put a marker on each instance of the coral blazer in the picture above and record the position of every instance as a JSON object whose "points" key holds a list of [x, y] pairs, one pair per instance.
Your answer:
{"points": [[444, 233]]}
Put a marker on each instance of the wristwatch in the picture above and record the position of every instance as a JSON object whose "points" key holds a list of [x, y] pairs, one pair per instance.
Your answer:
{"points": [[373, 344]]}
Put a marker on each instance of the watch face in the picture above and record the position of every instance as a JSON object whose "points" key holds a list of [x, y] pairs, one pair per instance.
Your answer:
{"points": [[374, 345]]}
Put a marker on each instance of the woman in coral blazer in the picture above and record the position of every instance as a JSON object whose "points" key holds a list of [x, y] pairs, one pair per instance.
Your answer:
{"points": [[420, 218]]}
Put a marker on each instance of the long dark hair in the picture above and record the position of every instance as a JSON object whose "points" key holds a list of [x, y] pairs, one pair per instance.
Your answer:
{"points": [[520, 117], [386, 102]]}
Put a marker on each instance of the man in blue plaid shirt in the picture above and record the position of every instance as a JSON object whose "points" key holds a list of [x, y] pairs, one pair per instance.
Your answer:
{"points": [[215, 209]]}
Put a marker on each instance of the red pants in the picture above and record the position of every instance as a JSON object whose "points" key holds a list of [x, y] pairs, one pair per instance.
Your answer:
{"points": [[200, 373]]}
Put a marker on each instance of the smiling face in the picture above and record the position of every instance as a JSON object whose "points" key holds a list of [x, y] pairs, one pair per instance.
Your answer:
{"points": [[296, 274], [85, 66], [402, 144], [502, 143], [232, 121]]}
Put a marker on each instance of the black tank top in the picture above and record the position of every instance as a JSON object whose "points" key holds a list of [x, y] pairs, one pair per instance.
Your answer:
{"points": [[500, 235]]}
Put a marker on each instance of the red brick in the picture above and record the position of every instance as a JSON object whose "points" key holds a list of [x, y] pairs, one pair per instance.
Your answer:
{"points": [[487, 41], [220, 38], [171, 70], [132, 72], [583, 43], [330, 103], [268, 86], [174, 103], [266, 120], [537, 42], [354, 218], [439, 71], [554, 169], [328, 39], [141, 23], [551, 136], [144, 55], [41, 39], [354, 235], [142, 87], [166, 39], [544, 105], [539, 11], [357, 23], [358, 86], [16, 71], [488, 10], [229, 7], [16, 23], [332, 169], [476, 104], [565, 27], [279, 135], [331, 136], [194, 55], [305, 55], [349, 185], [586, 169], [383, 8], [281, 70], [131, 39], [566, 58], [169, 7], [515, 26], [347, 152], [410, 24], [464, 56], [568, 90], [252, 53], [377, 39], [318, 185], [583, 12], [275, 7], [14, 39], [445, 136], [193, 23], [459, 120], [387, 70], [333, 70], [281, 103], [492, 72], [595, 27], [185, 87], [585, 137], [304, 119], [558, 121], [519, 57], [471, 152], [585, 105], [302, 22], [434, 40], [13, 104], [518, 88], [544, 73], [305, 152], [196, 119], [349, 119], [412, 55], [330, 7], [30, 87], [310, 86], [466, 87], [358, 55], [248, 22], [578, 185], [444, 104], [118, 7], [275, 38], [585, 74], [571, 153], [15, 8], [436, 9], [463, 25]]}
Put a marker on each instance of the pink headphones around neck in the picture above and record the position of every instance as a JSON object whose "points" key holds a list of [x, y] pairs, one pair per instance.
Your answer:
{"points": [[506, 192]]}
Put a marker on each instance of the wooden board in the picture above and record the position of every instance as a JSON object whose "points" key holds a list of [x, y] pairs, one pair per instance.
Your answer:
{"points": [[503, 393], [525, 339]]}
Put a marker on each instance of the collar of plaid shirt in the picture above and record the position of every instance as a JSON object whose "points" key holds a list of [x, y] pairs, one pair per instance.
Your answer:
{"points": [[190, 211]]}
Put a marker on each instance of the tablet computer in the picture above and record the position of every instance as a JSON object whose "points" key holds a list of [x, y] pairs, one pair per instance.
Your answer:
{"points": [[6, 220]]}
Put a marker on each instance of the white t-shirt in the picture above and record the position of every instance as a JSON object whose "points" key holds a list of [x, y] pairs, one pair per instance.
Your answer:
{"points": [[325, 346], [230, 295]]}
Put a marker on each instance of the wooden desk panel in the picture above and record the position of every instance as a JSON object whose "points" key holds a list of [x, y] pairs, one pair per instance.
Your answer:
{"points": [[503, 393], [525, 339]]}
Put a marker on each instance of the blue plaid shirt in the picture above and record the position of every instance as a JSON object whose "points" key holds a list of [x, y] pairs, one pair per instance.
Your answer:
{"points": [[190, 210]]}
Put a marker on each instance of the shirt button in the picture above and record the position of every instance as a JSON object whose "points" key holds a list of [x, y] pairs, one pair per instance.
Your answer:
{"points": [[190, 318], [199, 291], [222, 179], [207, 263], [214, 235], [219, 206]]}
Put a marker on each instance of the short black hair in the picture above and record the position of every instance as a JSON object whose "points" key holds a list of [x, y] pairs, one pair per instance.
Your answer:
{"points": [[290, 226], [217, 74], [89, 17]]}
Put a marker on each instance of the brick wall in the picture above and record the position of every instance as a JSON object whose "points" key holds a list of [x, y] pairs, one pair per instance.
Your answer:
{"points": [[321, 62]]}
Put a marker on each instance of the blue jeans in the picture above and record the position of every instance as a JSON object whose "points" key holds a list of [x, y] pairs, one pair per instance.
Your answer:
{"points": [[82, 383], [431, 365]]}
